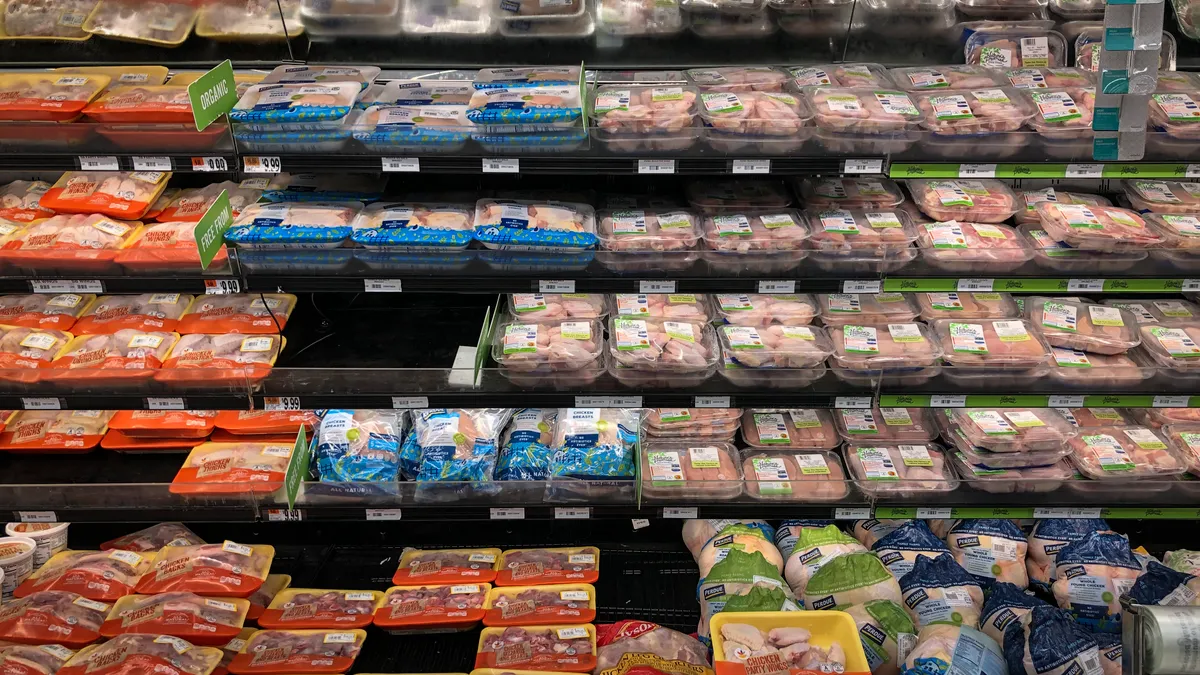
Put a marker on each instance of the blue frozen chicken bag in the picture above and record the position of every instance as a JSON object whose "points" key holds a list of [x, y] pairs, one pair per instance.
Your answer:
{"points": [[526, 451], [939, 590], [1047, 640], [1004, 605], [1048, 537], [594, 443], [1110, 652], [899, 549], [459, 445], [992, 549], [359, 445], [1093, 573], [410, 453], [1161, 585]]}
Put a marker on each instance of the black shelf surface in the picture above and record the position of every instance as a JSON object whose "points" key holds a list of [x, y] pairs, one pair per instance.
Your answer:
{"points": [[195, 52]]}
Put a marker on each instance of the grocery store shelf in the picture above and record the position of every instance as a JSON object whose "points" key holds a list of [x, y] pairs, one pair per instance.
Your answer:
{"points": [[195, 52], [1082, 170]]}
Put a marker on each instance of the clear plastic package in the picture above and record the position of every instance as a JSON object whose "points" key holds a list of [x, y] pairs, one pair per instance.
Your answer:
{"points": [[531, 10], [943, 78], [164, 24], [1162, 196], [795, 476], [1097, 228], [1078, 9], [973, 247], [765, 310], [690, 470], [639, 17], [775, 347], [522, 225], [1063, 119], [661, 345], [900, 470], [436, 128], [50, 97], [720, 26], [241, 313], [414, 226], [1050, 78], [144, 312], [1174, 348], [979, 201], [846, 75], [1185, 438], [535, 76], [524, 109], [247, 20], [857, 233], [70, 242], [1032, 198], [630, 117], [556, 307], [710, 423], [670, 306], [1090, 418], [720, 195], [790, 429], [738, 79], [978, 112], [1075, 368], [886, 425], [283, 226], [117, 194], [872, 194], [839, 309], [772, 120], [1003, 48], [863, 111], [647, 230], [548, 348], [1088, 327], [402, 92], [40, 310], [998, 480], [1012, 429], [295, 107], [1125, 453], [808, 19], [900, 353], [40, 20], [755, 231], [1171, 313], [1155, 418], [1176, 81], [1059, 256], [966, 306], [1175, 114], [987, 345]]}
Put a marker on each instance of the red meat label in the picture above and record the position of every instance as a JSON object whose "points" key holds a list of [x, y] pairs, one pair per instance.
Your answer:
{"points": [[408, 608], [424, 568], [527, 570]]}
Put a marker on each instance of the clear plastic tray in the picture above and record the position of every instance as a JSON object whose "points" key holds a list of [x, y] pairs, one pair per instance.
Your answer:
{"points": [[270, 108], [1175, 114], [548, 347], [1058, 256], [524, 109], [639, 18], [1097, 228], [796, 476], [1090, 39], [163, 24], [538, 10], [973, 112], [891, 348], [850, 193], [690, 469], [840, 309], [1078, 9], [1006, 48], [765, 310], [1171, 313], [1125, 453], [1075, 368], [1163, 196], [668, 306], [775, 347], [808, 429], [522, 224], [886, 425], [973, 247], [1012, 429], [1091, 418], [1019, 479], [863, 111], [846, 75], [718, 26], [555, 306], [1173, 347], [854, 232], [646, 230], [718, 195], [1158, 417], [978, 346], [1063, 114], [944, 78], [979, 201], [1000, 8], [465, 18], [966, 306], [738, 79], [1049, 78], [755, 231], [895, 470], [754, 113], [1177, 81], [414, 226], [662, 346], [1089, 327], [1032, 198], [1185, 438], [308, 225], [643, 110]]}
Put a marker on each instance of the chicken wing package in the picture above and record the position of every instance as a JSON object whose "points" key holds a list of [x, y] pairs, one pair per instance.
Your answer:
{"points": [[841, 309], [129, 104], [190, 205], [252, 424], [19, 201], [405, 609], [850, 579], [795, 476], [219, 360], [939, 591], [966, 306], [50, 431], [946, 78], [991, 549], [50, 97], [739, 79], [59, 312], [25, 350], [1162, 196], [798, 428], [53, 617], [559, 648], [690, 470], [1124, 454], [167, 247], [741, 582], [631, 116], [883, 470], [1003, 48], [123, 358], [863, 111], [524, 225], [110, 314], [1047, 639], [1097, 228], [1092, 575], [202, 621], [319, 608], [869, 194], [813, 548], [1013, 430], [662, 345], [899, 549], [172, 425], [295, 107], [1087, 327], [941, 649], [117, 194], [96, 575], [232, 469], [228, 569], [269, 652], [890, 425], [981, 201], [250, 313], [1032, 198], [760, 310], [154, 538], [899, 353]]}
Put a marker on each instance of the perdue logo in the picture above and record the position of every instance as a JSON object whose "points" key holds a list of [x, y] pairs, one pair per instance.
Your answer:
{"points": [[873, 634], [890, 557], [916, 598], [723, 541], [1004, 618], [1073, 669], [826, 602], [1055, 548], [968, 542], [1076, 571], [714, 592], [810, 555]]}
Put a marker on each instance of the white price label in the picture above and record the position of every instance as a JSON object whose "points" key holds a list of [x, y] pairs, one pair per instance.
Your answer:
{"points": [[1065, 512], [41, 404], [409, 402], [262, 164], [222, 286], [1066, 401], [209, 164], [99, 164], [401, 165], [934, 512], [572, 512], [862, 286], [59, 286], [862, 166], [685, 512], [37, 517], [853, 513], [1085, 171], [508, 514], [656, 166], [152, 164], [383, 514], [770, 287], [382, 285], [975, 285], [281, 403], [1082, 285], [556, 286], [491, 165], [1191, 284], [284, 515], [656, 287], [976, 170], [165, 404], [1170, 401], [947, 401], [713, 402], [1192, 171], [639, 523], [751, 166], [852, 402], [608, 401]]}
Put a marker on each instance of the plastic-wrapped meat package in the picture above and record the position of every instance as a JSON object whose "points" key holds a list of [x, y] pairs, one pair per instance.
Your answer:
{"points": [[1088, 418], [973, 112], [232, 20], [320, 608], [146, 312], [1124, 454], [796, 476], [850, 579], [496, 78], [697, 534], [1013, 430], [808, 547], [650, 643], [1091, 576], [1063, 116], [939, 590], [1181, 234], [1001, 49], [535, 225], [1161, 585], [254, 424], [1032, 198], [787, 347], [736, 194], [50, 431], [310, 225], [1049, 640], [840, 309], [154, 538], [19, 200], [167, 247], [769, 121], [718, 26], [44, 311], [359, 445], [1097, 228], [1077, 368], [538, 9], [1088, 327], [558, 648], [459, 445], [759, 233], [202, 621], [1052, 254], [548, 348], [296, 107], [269, 652], [1160, 196], [1176, 81], [647, 230], [653, 117], [900, 548], [868, 240], [899, 353], [50, 97], [846, 75], [232, 468], [882, 625], [798, 428], [639, 17], [872, 530], [899, 470], [436, 128], [117, 194], [31, 660], [123, 357], [1006, 481], [738, 79], [1048, 537], [1175, 349], [1185, 438], [592, 444], [218, 360], [979, 201], [538, 605], [669, 306], [989, 348], [542, 566], [554, 307], [978, 459], [446, 566], [156, 23], [416, 92], [190, 205], [966, 306], [144, 653], [868, 194], [890, 425], [1175, 115], [52, 617], [863, 111], [423, 608], [991, 549], [47, 19], [166, 104], [765, 310], [524, 109], [249, 313], [662, 345], [227, 569], [525, 452], [172, 424], [690, 470], [943, 78], [96, 575], [742, 581], [70, 242]]}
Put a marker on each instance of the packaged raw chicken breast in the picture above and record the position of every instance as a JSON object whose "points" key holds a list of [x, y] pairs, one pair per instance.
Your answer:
{"points": [[774, 355], [556, 307], [839, 309], [767, 121], [754, 309], [719, 196], [532, 10], [796, 476], [541, 566], [525, 110], [966, 306], [1004, 48], [446, 566], [846, 75], [1176, 81], [869, 194], [548, 348], [758, 231], [437, 128], [1155, 418], [166, 247], [24, 350], [118, 194], [1172, 348], [1097, 228], [1175, 115], [738, 79], [799, 428], [52, 97], [662, 345], [990, 346], [164, 424], [977, 456], [997, 480], [422, 608], [630, 117], [202, 621], [980, 201], [690, 470], [1161, 312], [639, 17], [1125, 453], [308, 225], [1161, 196], [522, 225], [1063, 119], [271, 652], [1077, 368], [1012, 430], [95, 575], [944, 78], [232, 468], [1032, 198], [320, 608], [863, 111], [53, 618], [568, 649], [145, 312], [79, 242], [888, 425], [416, 92], [19, 201], [974, 112], [123, 358], [39, 20], [51, 431], [850, 235], [227, 569], [1088, 418], [899, 470], [1059, 256], [491, 78], [191, 204], [648, 230], [165, 104], [219, 360], [537, 605], [414, 226], [40, 310], [716, 424], [295, 107], [314, 74], [1087, 327], [164, 24], [253, 313], [676, 306], [899, 353]]}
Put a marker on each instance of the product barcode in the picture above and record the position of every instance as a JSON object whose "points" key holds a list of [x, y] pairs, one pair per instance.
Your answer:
{"points": [[401, 164], [41, 404], [656, 287], [844, 513], [62, 286], [209, 164], [383, 514], [1081, 285], [152, 164], [1191, 284], [947, 401], [934, 512], [976, 170], [165, 404], [409, 402], [656, 166], [1171, 401], [863, 166], [777, 287], [1085, 171], [608, 401], [222, 286], [508, 514], [382, 285], [262, 165], [501, 165], [99, 164], [751, 166], [1192, 171], [975, 284], [713, 402], [37, 517], [556, 286], [572, 512], [862, 286], [685, 512], [639, 523], [1065, 402], [852, 402]]}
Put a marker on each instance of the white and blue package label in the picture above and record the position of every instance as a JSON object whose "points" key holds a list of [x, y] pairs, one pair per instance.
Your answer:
{"points": [[312, 223], [296, 74], [1052, 534], [1004, 605], [284, 103], [414, 225], [974, 654], [556, 106], [537, 76], [410, 455], [897, 550], [1093, 573], [359, 445], [1048, 640], [1161, 585], [526, 452], [939, 590]]}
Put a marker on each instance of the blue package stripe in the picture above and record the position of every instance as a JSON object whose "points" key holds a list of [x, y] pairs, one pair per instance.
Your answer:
{"points": [[287, 234], [507, 236], [411, 135], [319, 136], [532, 140], [291, 114], [411, 236], [507, 113]]}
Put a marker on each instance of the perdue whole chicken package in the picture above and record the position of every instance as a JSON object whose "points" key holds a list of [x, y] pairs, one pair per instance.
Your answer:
{"points": [[422, 608], [228, 569]]}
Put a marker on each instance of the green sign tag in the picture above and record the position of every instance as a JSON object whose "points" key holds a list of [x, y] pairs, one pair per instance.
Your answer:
{"points": [[213, 94], [210, 231], [297, 468]]}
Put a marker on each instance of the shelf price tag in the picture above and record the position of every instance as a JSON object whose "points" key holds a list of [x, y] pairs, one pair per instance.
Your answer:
{"points": [[608, 401], [1191, 284], [976, 170], [152, 164], [165, 404], [1171, 401], [37, 517], [382, 286], [1192, 171], [209, 164], [934, 512], [862, 286], [106, 163], [222, 286], [862, 166], [713, 402], [1066, 401], [1085, 285], [770, 287], [572, 512], [685, 512], [944, 401], [262, 165], [284, 515], [64, 286], [639, 523], [1065, 512], [41, 404], [493, 165], [852, 513], [984, 285], [656, 287], [741, 166], [383, 514], [517, 513], [401, 165], [852, 402], [556, 286], [656, 166], [281, 403], [1085, 171], [409, 402]]}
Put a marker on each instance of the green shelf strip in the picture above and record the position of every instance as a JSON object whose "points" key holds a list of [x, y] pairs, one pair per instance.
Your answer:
{"points": [[1109, 170], [1017, 401], [1168, 513], [1034, 285]]}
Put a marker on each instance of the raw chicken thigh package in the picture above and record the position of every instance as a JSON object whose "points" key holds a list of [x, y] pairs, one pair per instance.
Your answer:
{"points": [[904, 470], [765, 310], [869, 194], [557, 307], [810, 429], [548, 347], [648, 230], [675, 306], [662, 344], [946, 78], [848, 75]]}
